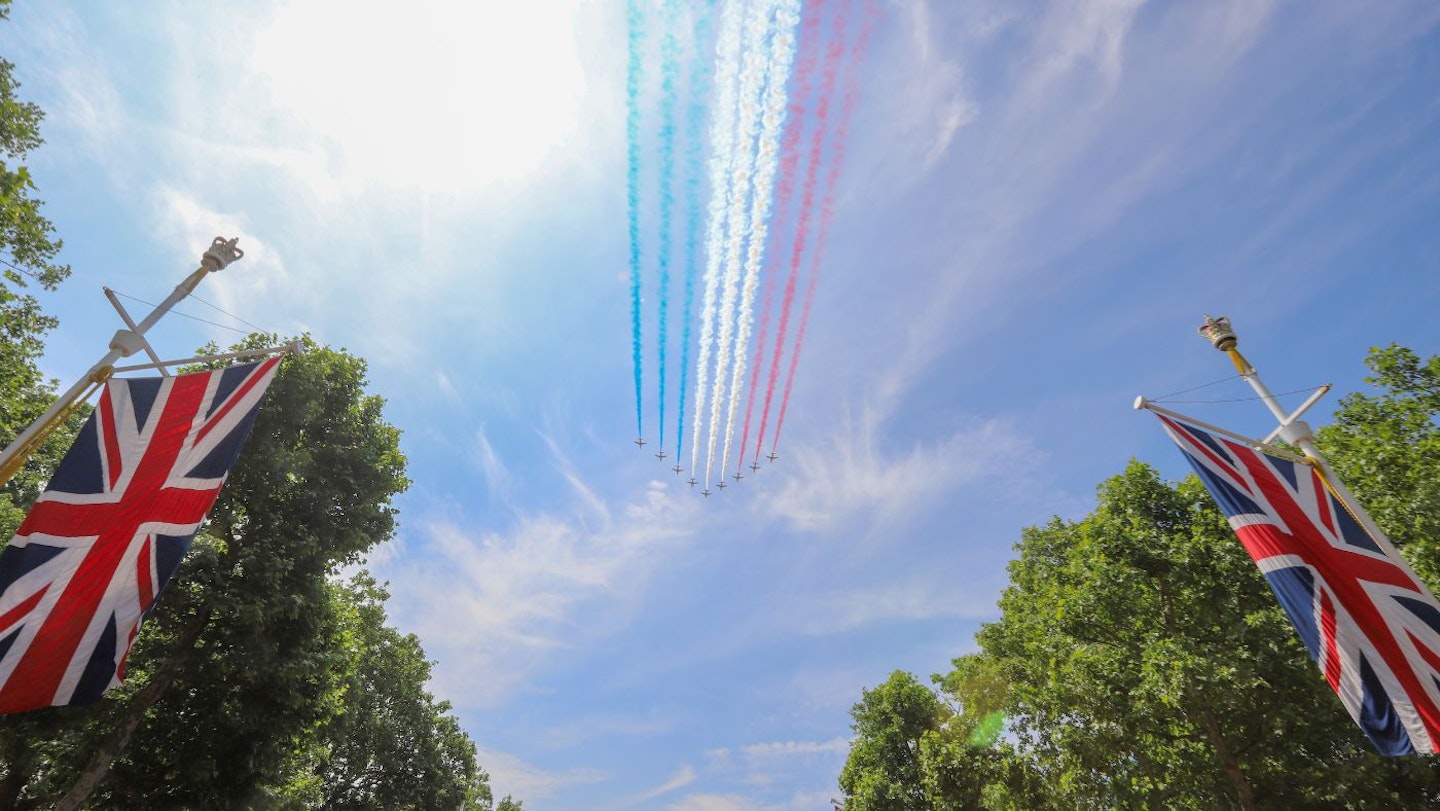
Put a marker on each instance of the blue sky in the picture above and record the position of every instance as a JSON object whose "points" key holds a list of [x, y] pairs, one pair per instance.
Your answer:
{"points": [[1040, 200]]}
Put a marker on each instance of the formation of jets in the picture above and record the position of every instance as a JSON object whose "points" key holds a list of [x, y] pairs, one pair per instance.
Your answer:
{"points": [[692, 481]]}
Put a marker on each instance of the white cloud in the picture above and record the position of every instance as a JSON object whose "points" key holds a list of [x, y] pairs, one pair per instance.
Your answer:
{"points": [[511, 775], [789, 748], [445, 94], [492, 606], [920, 596], [853, 473], [187, 227], [682, 778], [492, 467], [713, 802]]}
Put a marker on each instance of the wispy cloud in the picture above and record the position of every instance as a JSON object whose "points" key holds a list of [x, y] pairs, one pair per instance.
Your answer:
{"points": [[855, 473], [682, 778], [713, 802], [780, 749], [518, 778], [492, 467], [492, 606]]}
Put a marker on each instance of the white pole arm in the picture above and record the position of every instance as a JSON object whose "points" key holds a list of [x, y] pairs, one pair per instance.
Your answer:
{"points": [[1142, 403], [1295, 415], [129, 322], [294, 346], [1296, 431], [125, 342]]}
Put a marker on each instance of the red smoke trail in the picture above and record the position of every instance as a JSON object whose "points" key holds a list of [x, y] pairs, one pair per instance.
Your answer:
{"points": [[833, 56], [785, 190], [827, 211]]}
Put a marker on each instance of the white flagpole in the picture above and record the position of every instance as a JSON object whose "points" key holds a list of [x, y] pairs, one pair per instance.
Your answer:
{"points": [[124, 343], [1294, 430]]}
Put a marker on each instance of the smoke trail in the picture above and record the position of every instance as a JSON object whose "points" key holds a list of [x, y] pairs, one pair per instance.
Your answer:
{"points": [[698, 74], [722, 155], [669, 66], [747, 130], [833, 55], [632, 188], [784, 190], [827, 211], [782, 56]]}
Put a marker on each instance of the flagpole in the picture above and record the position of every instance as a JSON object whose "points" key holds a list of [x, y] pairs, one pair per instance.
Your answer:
{"points": [[124, 343], [1294, 430]]}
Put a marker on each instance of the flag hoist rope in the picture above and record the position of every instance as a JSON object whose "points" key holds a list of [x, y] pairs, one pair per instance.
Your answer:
{"points": [[124, 343], [1292, 429]]}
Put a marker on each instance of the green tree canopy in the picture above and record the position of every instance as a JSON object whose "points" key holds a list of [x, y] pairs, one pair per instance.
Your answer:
{"points": [[1142, 661]]}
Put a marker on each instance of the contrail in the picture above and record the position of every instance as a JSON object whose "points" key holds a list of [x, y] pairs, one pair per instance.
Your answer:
{"points": [[747, 130], [722, 155], [827, 212], [632, 190], [833, 55], [699, 72], [784, 191], [772, 123], [669, 66]]}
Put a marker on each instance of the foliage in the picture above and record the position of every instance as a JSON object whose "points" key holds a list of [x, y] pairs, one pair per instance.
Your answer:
{"points": [[1141, 661], [392, 745], [1385, 447], [28, 247], [883, 770], [258, 680]]}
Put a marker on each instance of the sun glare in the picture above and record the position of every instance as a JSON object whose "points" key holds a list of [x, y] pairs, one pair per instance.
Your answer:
{"points": [[429, 93]]}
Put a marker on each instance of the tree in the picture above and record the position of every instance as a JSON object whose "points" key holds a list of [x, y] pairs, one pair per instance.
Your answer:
{"points": [[1385, 446], [1148, 664], [392, 745], [1141, 661], [28, 247], [883, 770], [258, 680], [250, 641]]}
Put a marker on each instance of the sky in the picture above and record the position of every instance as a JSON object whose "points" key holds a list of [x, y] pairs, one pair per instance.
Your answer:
{"points": [[1038, 202]]}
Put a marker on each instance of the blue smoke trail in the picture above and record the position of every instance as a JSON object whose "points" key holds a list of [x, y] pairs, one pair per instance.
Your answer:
{"points": [[669, 66], [632, 190], [695, 115]]}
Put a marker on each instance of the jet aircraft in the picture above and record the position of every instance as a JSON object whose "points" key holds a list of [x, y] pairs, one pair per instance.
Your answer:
{"points": [[640, 440], [754, 467], [660, 454], [772, 456], [677, 469]]}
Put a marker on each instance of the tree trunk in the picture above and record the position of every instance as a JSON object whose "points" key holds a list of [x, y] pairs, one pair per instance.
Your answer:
{"points": [[14, 783], [98, 768], [1228, 762]]}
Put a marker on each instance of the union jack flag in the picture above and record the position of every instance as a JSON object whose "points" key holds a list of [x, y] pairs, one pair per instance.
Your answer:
{"points": [[110, 530], [1370, 624]]}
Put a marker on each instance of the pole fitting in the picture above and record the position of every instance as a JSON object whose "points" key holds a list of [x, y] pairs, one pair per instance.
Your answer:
{"points": [[221, 253], [1218, 332]]}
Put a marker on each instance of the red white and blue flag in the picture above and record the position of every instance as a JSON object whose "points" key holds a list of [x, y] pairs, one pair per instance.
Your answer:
{"points": [[110, 530], [1370, 624]]}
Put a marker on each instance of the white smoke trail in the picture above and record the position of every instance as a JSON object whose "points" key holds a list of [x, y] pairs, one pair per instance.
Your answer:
{"points": [[722, 158], [751, 89], [772, 118]]}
